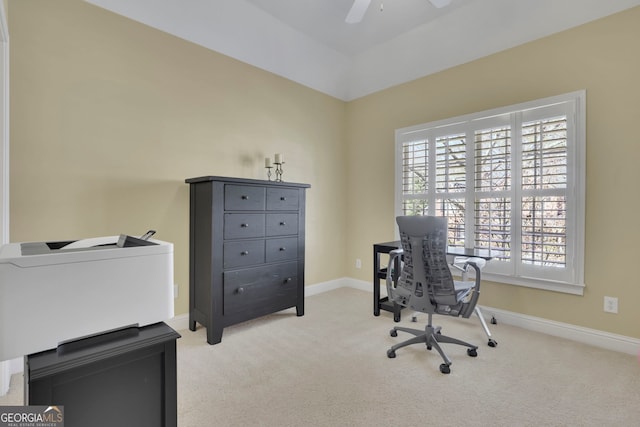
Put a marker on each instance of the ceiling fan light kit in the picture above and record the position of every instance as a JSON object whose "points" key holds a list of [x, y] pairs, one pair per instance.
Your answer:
{"points": [[359, 8]]}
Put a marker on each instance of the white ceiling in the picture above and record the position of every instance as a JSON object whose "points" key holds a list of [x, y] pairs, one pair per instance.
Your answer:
{"points": [[324, 20], [308, 41]]}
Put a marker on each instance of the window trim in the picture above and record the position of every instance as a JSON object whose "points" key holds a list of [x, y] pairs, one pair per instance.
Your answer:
{"points": [[576, 178]]}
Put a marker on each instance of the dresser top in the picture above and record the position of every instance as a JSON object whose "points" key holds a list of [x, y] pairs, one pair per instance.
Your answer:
{"points": [[244, 181]]}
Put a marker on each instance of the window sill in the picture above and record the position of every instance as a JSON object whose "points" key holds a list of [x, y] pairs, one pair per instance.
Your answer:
{"points": [[528, 282]]}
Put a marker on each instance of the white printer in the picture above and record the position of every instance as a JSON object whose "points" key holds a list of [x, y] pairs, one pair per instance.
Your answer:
{"points": [[53, 292]]}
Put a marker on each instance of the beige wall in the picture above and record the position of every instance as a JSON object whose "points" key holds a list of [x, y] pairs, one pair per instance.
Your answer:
{"points": [[601, 57], [108, 117]]}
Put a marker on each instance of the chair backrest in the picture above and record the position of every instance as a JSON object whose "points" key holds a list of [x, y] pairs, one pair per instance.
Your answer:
{"points": [[426, 272]]}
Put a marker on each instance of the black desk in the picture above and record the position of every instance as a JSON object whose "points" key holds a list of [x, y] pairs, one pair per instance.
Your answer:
{"points": [[381, 273]]}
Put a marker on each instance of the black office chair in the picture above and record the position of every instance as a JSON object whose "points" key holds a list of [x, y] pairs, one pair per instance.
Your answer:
{"points": [[425, 284]]}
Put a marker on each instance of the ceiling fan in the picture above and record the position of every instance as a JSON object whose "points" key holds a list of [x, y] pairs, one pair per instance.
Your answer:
{"points": [[359, 7]]}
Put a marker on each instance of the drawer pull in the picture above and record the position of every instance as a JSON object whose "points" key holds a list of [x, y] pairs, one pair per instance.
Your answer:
{"points": [[283, 249], [240, 290], [283, 223], [244, 225], [283, 198], [244, 253], [245, 197], [288, 279]]}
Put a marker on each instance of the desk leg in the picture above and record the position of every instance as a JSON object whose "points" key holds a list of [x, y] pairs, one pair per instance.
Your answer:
{"points": [[376, 282], [396, 276]]}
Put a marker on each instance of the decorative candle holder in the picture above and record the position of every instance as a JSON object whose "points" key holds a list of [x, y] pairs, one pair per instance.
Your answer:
{"points": [[268, 166], [279, 171]]}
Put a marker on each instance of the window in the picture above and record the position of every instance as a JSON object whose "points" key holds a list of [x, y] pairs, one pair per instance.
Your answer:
{"points": [[510, 181]]}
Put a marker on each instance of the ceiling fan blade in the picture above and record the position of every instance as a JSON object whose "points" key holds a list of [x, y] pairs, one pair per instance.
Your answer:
{"points": [[357, 11], [440, 3]]}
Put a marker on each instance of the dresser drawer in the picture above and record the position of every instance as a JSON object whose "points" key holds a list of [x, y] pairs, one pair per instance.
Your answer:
{"points": [[244, 198], [260, 289], [282, 199], [281, 249], [243, 253], [243, 225], [282, 224]]}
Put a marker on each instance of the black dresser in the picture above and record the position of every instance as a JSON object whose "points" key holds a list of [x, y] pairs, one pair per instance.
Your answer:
{"points": [[246, 250]]}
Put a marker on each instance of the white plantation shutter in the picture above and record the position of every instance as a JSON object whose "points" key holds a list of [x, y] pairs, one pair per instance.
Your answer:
{"points": [[450, 163], [450, 178], [492, 183], [415, 172], [510, 181], [544, 175]]}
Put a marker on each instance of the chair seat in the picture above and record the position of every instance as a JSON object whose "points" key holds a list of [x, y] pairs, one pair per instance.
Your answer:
{"points": [[462, 285], [463, 289]]}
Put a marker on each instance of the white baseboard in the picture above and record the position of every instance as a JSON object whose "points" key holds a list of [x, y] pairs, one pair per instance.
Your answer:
{"points": [[362, 285], [594, 337], [319, 288], [7, 369], [5, 378], [179, 322]]}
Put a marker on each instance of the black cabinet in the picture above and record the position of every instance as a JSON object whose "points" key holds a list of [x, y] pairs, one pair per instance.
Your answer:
{"points": [[246, 250], [122, 378]]}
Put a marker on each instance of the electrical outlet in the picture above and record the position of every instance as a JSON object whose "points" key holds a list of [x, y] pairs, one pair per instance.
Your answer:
{"points": [[610, 304], [358, 263]]}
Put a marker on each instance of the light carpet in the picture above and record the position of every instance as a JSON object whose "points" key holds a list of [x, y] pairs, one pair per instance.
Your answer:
{"points": [[329, 368]]}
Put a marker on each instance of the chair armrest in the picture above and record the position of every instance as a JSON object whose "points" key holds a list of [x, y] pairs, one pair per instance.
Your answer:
{"points": [[462, 263], [470, 306], [392, 258], [396, 252], [474, 265]]}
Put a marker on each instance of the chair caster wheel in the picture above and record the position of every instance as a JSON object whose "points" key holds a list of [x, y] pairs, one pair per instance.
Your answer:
{"points": [[445, 369], [391, 354], [472, 352], [393, 333], [429, 347], [492, 343], [493, 320]]}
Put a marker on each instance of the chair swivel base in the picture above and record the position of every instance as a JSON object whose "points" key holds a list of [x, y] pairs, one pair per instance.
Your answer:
{"points": [[431, 337], [491, 342]]}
